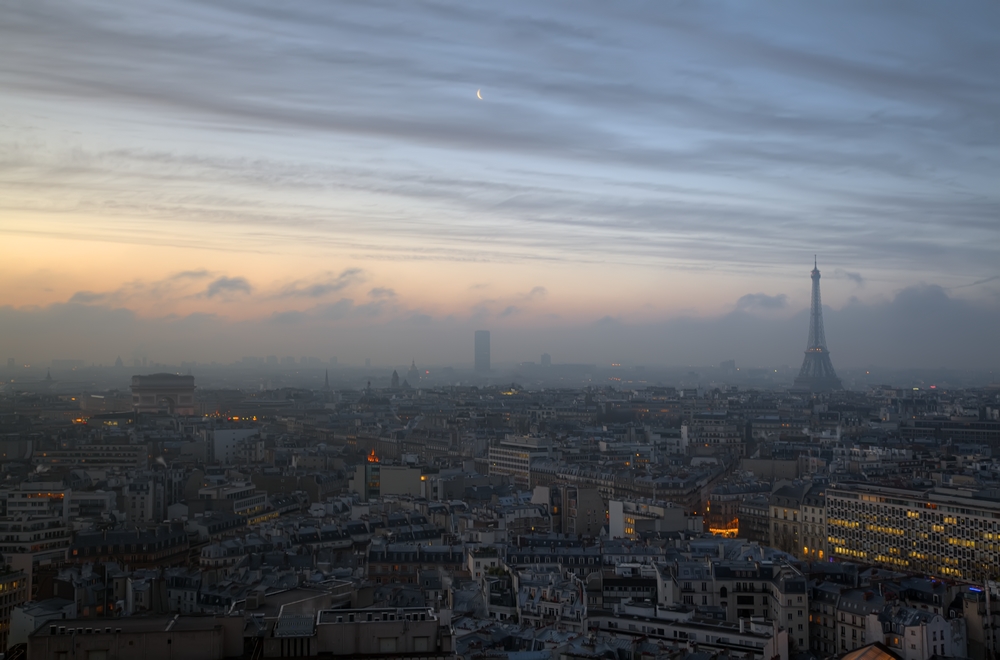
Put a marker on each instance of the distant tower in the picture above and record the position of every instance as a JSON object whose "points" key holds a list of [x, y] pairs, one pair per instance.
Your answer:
{"points": [[546, 360], [395, 379], [817, 374], [482, 351]]}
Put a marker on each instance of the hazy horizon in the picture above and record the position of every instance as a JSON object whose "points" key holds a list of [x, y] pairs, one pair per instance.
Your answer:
{"points": [[643, 184]]}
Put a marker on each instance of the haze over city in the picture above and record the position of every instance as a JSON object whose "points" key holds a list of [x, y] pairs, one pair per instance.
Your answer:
{"points": [[632, 184], [429, 330]]}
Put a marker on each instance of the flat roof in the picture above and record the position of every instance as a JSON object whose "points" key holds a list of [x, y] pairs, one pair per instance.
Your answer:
{"points": [[191, 622], [294, 626]]}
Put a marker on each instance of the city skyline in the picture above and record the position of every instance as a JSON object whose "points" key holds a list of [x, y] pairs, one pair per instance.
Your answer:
{"points": [[644, 185]]}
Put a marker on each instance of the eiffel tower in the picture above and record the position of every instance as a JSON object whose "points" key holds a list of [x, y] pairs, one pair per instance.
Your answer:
{"points": [[817, 374]]}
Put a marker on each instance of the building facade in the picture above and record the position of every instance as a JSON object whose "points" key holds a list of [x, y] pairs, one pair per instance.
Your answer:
{"points": [[163, 393], [940, 532]]}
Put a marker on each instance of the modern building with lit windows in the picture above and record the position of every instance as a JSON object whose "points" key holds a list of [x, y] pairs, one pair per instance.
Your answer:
{"points": [[512, 457], [944, 532]]}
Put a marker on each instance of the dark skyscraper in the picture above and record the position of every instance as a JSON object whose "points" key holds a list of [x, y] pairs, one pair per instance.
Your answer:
{"points": [[482, 351], [817, 374]]}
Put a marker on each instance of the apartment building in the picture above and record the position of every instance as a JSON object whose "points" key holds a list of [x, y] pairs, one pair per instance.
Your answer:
{"points": [[139, 547], [798, 520], [408, 632], [769, 590], [754, 515], [630, 519], [243, 499], [573, 510], [512, 458], [942, 532], [548, 596], [36, 498], [716, 432], [13, 593], [681, 628], [95, 456], [813, 512], [916, 634], [403, 562], [28, 543]]}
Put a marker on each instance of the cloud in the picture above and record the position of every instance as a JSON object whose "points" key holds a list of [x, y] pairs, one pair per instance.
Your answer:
{"points": [[510, 310], [190, 275], [978, 282], [550, 166], [172, 287], [762, 301], [921, 326], [381, 293], [537, 293], [292, 317], [87, 297], [323, 288], [337, 311], [227, 285], [852, 276]]}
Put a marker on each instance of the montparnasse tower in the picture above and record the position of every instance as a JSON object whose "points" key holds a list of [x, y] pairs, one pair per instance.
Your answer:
{"points": [[817, 374]]}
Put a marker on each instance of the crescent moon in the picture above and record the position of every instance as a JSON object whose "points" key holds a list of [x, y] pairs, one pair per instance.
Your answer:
{"points": [[478, 95]]}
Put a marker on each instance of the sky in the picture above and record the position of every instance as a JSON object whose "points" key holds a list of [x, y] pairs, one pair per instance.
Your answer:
{"points": [[643, 183]]}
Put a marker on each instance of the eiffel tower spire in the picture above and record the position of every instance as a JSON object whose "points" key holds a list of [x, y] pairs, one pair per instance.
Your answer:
{"points": [[817, 374]]}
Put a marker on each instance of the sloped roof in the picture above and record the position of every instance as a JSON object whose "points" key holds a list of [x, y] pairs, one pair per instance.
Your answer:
{"points": [[874, 651]]}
